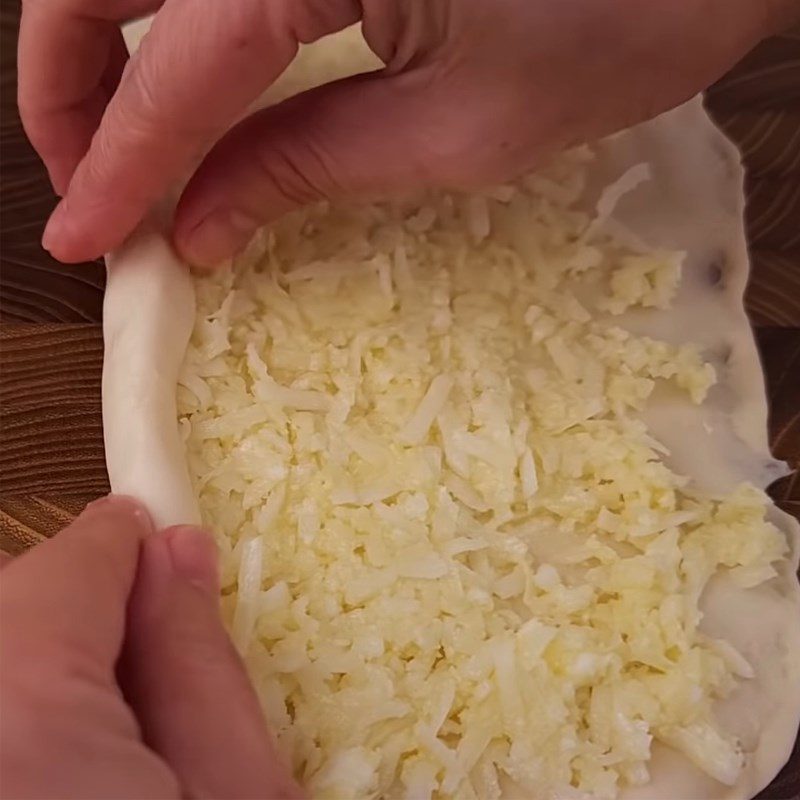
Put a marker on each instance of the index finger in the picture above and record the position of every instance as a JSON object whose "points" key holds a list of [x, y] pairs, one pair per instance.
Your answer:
{"points": [[71, 55], [202, 63], [70, 593]]}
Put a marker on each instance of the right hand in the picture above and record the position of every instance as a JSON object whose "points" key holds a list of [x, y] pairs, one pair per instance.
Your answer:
{"points": [[118, 678], [474, 92]]}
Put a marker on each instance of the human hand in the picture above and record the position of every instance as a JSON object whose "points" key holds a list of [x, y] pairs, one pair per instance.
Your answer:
{"points": [[118, 679], [473, 93]]}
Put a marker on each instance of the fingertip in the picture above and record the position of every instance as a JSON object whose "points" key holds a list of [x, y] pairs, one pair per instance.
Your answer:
{"points": [[119, 510], [54, 230], [194, 556], [210, 243], [65, 239], [85, 225], [73, 589]]}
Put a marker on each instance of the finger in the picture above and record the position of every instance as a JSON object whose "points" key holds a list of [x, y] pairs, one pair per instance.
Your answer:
{"points": [[186, 682], [348, 138], [200, 66], [5, 559], [71, 56], [70, 592]]}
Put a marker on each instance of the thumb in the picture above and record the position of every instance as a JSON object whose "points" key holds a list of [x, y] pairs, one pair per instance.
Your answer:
{"points": [[67, 596], [185, 681], [355, 137]]}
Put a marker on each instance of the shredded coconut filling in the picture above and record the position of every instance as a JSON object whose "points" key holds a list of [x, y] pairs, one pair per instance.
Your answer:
{"points": [[454, 558]]}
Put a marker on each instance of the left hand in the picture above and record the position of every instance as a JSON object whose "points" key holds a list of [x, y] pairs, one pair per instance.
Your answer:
{"points": [[118, 678], [474, 93]]}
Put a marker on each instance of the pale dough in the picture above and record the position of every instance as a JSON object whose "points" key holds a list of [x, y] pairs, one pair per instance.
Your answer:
{"points": [[148, 316], [694, 203]]}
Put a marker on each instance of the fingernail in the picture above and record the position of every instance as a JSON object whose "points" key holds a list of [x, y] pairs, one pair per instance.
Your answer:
{"points": [[218, 236], [194, 556], [120, 504], [55, 227]]}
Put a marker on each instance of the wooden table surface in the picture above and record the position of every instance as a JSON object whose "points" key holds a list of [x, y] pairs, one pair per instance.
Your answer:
{"points": [[51, 446]]}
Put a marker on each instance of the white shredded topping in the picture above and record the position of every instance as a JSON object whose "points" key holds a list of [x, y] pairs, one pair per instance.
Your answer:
{"points": [[416, 429], [454, 559], [609, 199]]}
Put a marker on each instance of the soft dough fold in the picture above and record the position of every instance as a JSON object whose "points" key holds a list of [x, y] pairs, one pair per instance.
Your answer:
{"points": [[148, 314]]}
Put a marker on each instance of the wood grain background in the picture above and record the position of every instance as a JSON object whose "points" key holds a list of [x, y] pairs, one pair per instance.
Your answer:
{"points": [[51, 446]]}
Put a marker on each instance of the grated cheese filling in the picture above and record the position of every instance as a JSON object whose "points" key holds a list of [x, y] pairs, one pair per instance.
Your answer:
{"points": [[454, 559]]}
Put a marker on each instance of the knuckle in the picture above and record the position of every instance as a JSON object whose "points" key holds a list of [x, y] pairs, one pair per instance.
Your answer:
{"points": [[464, 145], [138, 117], [92, 174], [140, 89], [297, 172], [313, 19]]}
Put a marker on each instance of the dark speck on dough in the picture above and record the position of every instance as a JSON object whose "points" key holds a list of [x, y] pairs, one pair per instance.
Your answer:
{"points": [[721, 355], [716, 271]]}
